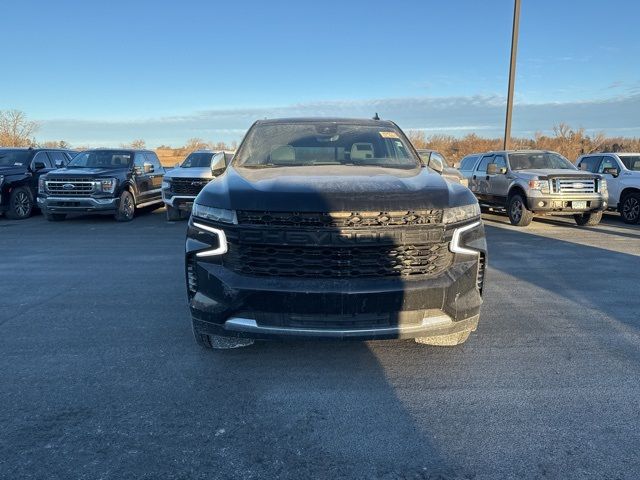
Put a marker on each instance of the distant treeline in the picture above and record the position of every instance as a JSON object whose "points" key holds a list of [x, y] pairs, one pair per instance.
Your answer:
{"points": [[17, 131]]}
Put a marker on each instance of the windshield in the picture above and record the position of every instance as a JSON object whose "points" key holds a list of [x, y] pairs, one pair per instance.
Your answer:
{"points": [[539, 160], [632, 162], [324, 143], [14, 158], [101, 159], [199, 159]]}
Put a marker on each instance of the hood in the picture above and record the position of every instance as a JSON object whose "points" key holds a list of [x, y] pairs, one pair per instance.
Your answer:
{"points": [[191, 172], [553, 172], [12, 170], [89, 172], [332, 188]]}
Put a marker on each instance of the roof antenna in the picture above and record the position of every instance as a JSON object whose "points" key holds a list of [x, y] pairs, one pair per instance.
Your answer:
{"points": [[376, 117]]}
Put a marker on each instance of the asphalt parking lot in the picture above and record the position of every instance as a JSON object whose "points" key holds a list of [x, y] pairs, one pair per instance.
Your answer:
{"points": [[100, 377]]}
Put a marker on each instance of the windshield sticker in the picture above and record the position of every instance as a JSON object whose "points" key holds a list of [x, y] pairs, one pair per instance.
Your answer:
{"points": [[389, 135]]}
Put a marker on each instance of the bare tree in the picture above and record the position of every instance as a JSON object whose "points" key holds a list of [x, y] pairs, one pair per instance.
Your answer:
{"points": [[15, 129], [137, 144], [196, 144]]}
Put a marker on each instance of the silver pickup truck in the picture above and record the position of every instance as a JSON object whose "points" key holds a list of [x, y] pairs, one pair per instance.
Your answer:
{"points": [[535, 182]]}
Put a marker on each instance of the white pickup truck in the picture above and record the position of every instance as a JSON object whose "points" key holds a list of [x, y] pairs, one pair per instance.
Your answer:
{"points": [[622, 171]]}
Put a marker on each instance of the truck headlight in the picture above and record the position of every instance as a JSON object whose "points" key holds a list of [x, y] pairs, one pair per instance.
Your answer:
{"points": [[603, 186], [42, 187], [106, 185], [166, 185], [459, 214], [542, 185], [2, 179], [214, 214]]}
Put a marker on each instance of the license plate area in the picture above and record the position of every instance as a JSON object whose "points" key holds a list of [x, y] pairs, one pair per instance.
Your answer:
{"points": [[579, 205]]}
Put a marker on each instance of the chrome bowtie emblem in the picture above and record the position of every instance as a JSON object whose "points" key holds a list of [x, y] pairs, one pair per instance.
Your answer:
{"points": [[68, 186]]}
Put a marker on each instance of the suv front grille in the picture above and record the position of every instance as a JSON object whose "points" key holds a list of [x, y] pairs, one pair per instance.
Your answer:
{"points": [[340, 219], [69, 187], [339, 261], [568, 185], [187, 186]]}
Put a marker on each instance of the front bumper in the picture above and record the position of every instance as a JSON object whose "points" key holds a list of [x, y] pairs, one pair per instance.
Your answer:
{"points": [[565, 204], [223, 302], [181, 202], [77, 204]]}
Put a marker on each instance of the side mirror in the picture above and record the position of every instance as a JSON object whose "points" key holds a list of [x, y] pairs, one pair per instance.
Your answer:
{"points": [[218, 164], [611, 171], [436, 164], [492, 169], [503, 170], [147, 167], [39, 166]]}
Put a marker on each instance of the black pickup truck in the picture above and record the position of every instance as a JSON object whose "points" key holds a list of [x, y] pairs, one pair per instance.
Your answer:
{"points": [[107, 181], [333, 228]]}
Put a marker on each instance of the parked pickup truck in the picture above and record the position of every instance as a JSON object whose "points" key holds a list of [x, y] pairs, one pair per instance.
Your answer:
{"points": [[622, 172], [182, 184], [333, 228], [115, 182], [536, 182]]}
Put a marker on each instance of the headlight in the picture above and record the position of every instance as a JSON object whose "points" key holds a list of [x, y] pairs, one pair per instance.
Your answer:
{"points": [[42, 188], [214, 214], [106, 185], [603, 186], [542, 185], [2, 179], [166, 185], [459, 214]]}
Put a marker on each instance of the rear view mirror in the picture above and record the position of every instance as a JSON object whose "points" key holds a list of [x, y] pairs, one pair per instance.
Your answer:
{"points": [[611, 171], [147, 167]]}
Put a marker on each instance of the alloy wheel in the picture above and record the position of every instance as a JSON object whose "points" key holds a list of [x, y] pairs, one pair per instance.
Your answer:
{"points": [[22, 204], [631, 209], [516, 210]]}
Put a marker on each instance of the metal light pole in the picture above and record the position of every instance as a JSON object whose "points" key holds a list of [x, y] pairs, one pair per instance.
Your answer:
{"points": [[512, 73]]}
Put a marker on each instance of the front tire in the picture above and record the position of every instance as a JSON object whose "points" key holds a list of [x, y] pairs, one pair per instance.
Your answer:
{"points": [[519, 214], [126, 207], [588, 219], [20, 204], [630, 208]]}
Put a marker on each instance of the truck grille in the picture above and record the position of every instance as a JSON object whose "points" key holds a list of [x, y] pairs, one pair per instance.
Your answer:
{"points": [[340, 219], [70, 187], [187, 186], [338, 261], [567, 185]]}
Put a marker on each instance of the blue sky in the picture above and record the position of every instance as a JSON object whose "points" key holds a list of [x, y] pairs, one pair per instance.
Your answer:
{"points": [[109, 72]]}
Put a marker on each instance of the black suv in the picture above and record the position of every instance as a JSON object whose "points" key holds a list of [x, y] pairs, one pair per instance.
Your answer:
{"points": [[103, 181], [332, 228], [20, 169]]}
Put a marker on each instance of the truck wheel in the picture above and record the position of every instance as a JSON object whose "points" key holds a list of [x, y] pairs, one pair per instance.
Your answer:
{"points": [[217, 342], [450, 340], [55, 217], [126, 207], [630, 209], [519, 214], [20, 204], [173, 214], [588, 219]]}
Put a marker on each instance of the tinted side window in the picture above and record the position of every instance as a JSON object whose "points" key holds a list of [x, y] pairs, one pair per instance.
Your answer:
{"points": [[139, 160], [468, 162], [608, 162], [590, 164], [41, 157], [482, 166], [58, 158], [152, 158], [500, 161]]}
